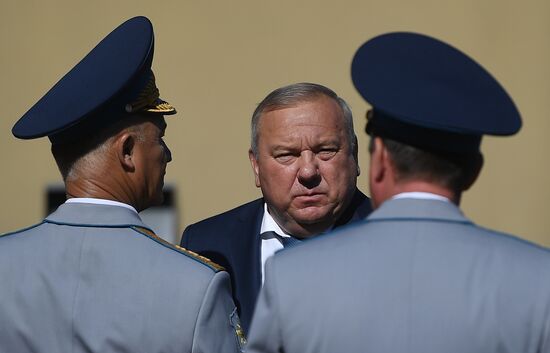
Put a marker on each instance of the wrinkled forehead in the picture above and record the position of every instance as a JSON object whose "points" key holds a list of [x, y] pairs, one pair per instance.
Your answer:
{"points": [[312, 110], [309, 121]]}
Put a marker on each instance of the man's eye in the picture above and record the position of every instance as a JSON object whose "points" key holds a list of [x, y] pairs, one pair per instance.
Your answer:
{"points": [[284, 157], [326, 154]]}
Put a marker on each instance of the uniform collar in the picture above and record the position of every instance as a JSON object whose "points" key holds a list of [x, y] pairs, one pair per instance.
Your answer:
{"points": [[413, 209], [100, 202], [95, 215]]}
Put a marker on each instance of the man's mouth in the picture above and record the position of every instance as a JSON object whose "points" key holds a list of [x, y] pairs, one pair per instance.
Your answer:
{"points": [[312, 198]]}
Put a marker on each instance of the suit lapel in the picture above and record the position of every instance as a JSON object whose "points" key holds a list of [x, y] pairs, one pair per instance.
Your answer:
{"points": [[250, 242], [245, 253]]}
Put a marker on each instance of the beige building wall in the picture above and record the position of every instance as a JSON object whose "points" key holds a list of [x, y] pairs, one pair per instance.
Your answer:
{"points": [[215, 60]]}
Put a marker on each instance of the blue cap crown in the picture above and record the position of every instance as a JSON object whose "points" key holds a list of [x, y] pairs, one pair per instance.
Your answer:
{"points": [[101, 88], [415, 81]]}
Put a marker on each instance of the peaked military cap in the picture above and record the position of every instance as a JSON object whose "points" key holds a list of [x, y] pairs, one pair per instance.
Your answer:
{"points": [[430, 95], [112, 81]]}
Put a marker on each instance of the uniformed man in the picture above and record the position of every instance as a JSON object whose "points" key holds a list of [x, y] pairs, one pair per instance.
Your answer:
{"points": [[92, 277], [416, 275]]}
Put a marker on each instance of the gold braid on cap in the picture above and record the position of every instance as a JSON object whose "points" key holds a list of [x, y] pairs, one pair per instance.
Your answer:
{"points": [[148, 100]]}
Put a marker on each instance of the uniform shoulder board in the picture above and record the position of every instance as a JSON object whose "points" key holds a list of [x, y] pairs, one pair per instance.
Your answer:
{"points": [[202, 259]]}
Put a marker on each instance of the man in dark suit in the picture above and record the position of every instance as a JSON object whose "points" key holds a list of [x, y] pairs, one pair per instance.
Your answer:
{"points": [[304, 157]]}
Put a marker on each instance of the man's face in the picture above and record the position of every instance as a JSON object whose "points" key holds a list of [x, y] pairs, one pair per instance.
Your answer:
{"points": [[305, 168], [152, 155]]}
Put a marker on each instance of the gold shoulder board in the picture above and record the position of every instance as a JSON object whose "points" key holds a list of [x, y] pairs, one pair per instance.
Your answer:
{"points": [[192, 254]]}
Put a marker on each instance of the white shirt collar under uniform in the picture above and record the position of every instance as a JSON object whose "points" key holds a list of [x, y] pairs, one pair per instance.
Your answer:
{"points": [[420, 195], [100, 202]]}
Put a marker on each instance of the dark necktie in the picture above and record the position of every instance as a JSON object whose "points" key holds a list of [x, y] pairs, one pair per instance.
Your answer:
{"points": [[286, 241]]}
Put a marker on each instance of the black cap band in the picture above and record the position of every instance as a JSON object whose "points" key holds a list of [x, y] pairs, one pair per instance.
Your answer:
{"points": [[450, 144]]}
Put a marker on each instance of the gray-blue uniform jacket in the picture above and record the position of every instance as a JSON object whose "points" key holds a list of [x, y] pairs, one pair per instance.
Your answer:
{"points": [[94, 278], [416, 276]]}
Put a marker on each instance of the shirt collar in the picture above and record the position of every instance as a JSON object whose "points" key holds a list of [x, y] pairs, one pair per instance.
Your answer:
{"points": [[100, 202], [269, 224], [420, 195]]}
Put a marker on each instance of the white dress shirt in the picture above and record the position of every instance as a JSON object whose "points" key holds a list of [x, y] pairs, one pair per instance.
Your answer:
{"points": [[100, 202], [270, 245], [420, 195]]}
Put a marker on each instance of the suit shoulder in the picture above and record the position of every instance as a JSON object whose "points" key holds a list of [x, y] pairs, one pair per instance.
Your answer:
{"points": [[178, 249], [243, 212]]}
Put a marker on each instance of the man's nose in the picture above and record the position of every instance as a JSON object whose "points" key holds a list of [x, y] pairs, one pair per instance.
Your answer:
{"points": [[309, 175]]}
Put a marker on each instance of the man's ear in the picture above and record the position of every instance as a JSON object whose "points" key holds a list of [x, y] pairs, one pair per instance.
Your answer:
{"points": [[255, 168], [475, 173], [378, 161], [125, 148], [356, 154], [381, 172]]}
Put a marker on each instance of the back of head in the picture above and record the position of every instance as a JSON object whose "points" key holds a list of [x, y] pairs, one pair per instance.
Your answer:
{"points": [[412, 163], [431, 106]]}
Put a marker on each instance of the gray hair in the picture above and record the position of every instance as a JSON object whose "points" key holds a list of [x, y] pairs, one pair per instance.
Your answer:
{"points": [[290, 95], [88, 152]]}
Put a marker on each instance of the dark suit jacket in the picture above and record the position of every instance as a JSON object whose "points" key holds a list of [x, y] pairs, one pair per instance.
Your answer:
{"points": [[232, 239]]}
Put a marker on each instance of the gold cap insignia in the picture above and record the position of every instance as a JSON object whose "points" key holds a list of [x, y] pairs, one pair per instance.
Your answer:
{"points": [[149, 101]]}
